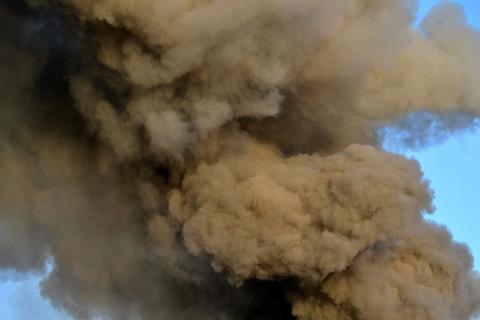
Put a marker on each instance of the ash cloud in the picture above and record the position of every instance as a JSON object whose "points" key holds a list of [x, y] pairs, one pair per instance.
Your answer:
{"points": [[221, 160]]}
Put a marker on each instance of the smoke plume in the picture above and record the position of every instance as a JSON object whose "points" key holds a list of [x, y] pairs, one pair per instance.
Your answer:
{"points": [[222, 159]]}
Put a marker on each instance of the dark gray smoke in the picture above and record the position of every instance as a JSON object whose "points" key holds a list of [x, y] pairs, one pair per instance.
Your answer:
{"points": [[201, 159]]}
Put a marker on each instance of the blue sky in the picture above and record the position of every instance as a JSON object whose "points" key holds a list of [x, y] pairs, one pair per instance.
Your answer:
{"points": [[452, 168]]}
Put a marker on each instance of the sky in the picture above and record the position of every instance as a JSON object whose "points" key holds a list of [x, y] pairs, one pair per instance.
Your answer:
{"points": [[451, 167]]}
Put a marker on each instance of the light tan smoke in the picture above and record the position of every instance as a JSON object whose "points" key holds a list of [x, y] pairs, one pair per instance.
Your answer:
{"points": [[260, 215], [340, 68], [239, 139], [422, 276]]}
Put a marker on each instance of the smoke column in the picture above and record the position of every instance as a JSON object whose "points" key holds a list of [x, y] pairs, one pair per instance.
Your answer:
{"points": [[221, 159]]}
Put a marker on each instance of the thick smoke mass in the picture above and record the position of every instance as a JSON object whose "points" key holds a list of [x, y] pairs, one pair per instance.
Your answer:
{"points": [[222, 160]]}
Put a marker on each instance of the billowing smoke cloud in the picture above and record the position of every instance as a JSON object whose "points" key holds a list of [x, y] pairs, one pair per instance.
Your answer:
{"points": [[210, 159]]}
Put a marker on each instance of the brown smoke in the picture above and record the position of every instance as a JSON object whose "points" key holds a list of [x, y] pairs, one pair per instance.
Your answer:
{"points": [[220, 159]]}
